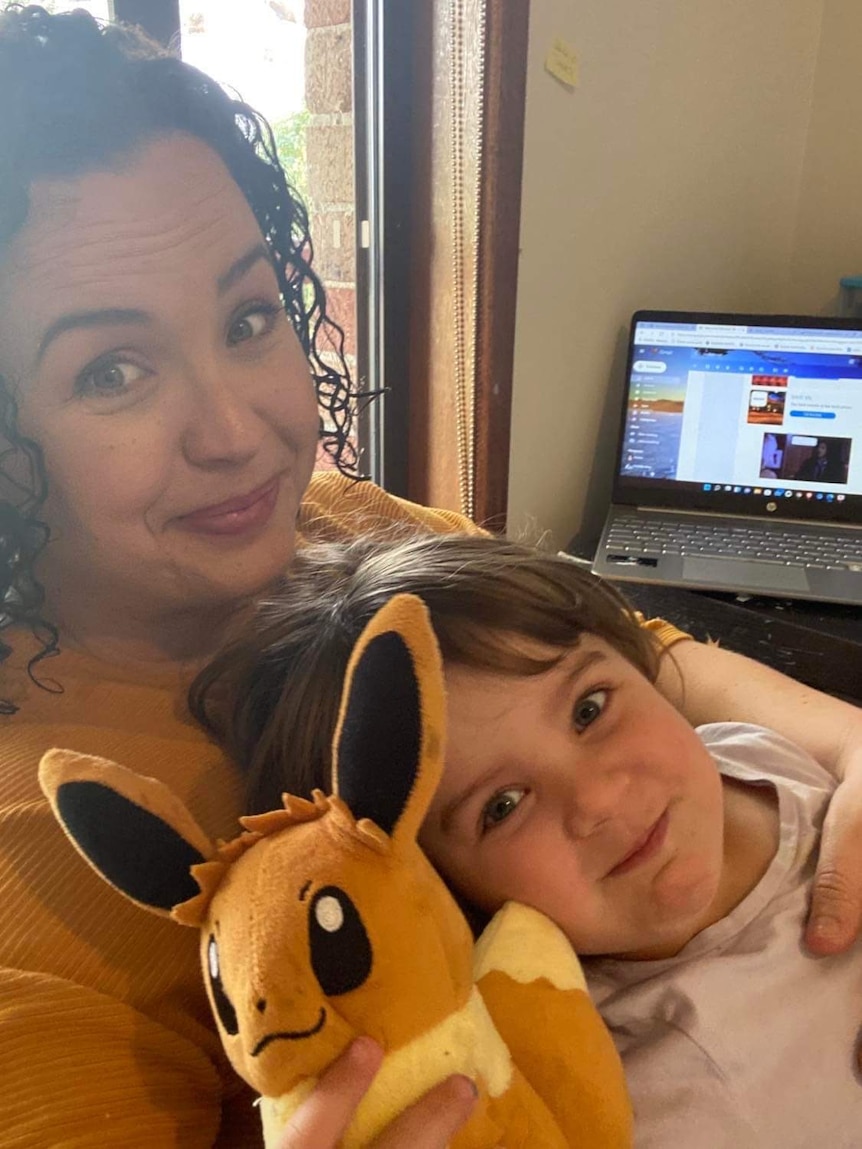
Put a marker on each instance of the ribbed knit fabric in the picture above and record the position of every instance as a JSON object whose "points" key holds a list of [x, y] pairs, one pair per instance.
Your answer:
{"points": [[666, 633], [105, 1032]]}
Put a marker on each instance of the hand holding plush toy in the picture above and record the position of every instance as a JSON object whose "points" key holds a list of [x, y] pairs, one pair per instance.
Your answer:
{"points": [[325, 920]]}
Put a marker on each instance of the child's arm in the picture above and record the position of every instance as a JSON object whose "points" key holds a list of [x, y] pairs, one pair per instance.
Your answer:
{"points": [[709, 684]]}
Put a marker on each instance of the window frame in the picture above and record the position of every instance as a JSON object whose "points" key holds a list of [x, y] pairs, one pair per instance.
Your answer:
{"points": [[418, 280], [160, 19], [383, 111]]}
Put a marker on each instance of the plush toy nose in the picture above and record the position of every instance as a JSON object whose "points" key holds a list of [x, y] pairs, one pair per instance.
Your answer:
{"points": [[261, 1005]]}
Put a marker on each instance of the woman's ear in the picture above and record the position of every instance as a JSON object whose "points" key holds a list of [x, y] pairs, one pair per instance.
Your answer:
{"points": [[388, 746], [132, 830]]}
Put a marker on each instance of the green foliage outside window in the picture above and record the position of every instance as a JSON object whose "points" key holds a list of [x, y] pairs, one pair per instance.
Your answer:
{"points": [[290, 144]]}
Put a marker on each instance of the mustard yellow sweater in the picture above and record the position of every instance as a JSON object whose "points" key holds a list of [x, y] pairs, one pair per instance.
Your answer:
{"points": [[105, 1032]]}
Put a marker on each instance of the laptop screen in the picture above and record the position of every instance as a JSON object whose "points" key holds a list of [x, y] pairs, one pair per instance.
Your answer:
{"points": [[761, 415]]}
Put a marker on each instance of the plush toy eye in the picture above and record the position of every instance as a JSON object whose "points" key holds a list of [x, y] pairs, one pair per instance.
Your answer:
{"points": [[340, 949], [329, 914], [212, 955], [221, 1001]]}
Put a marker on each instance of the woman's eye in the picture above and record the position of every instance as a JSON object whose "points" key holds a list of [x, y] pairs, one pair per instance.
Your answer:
{"points": [[252, 324], [112, 377], [500, 807], [588, 708]]}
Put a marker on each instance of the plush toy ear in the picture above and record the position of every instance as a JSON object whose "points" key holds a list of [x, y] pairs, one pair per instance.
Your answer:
{"points": [[388, 747], [132, 830]]}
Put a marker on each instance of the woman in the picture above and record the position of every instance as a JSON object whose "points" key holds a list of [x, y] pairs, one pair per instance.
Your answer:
{"points": [[825, 463], [158, 316]]}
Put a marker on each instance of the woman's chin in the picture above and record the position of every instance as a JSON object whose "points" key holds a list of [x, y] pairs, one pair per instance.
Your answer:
{"points": [[232, 583], [235, 564]]}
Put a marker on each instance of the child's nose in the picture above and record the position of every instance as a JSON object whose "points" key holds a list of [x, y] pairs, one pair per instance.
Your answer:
{"points": [[597, 796]]}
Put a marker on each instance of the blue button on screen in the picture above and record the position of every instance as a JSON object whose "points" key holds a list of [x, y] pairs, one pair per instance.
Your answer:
{"points": [[813, 414]]}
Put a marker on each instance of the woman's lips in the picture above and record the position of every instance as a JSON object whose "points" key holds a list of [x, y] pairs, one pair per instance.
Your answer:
{"points": [[235, 516], [646, 849]]}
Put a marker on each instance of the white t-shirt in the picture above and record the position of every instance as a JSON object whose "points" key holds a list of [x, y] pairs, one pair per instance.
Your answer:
{"points": [[744, 1040]]}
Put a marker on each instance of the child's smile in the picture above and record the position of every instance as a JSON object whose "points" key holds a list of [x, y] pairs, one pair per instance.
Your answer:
{"points": [[583, 793]]}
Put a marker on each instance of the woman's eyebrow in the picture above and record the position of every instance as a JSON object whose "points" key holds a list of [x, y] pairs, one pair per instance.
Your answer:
{"points": [[101, 317], [117, 316], [243, 265]]}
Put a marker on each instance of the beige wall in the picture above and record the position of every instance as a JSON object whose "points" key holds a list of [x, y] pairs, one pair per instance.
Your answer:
{"points": [[670, 177], [828, 242]]}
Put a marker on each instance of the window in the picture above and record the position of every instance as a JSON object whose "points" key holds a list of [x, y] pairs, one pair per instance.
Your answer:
{"points": [[100, 9]]}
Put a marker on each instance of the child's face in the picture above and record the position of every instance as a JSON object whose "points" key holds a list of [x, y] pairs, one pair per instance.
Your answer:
{"points": [[583, 793]]}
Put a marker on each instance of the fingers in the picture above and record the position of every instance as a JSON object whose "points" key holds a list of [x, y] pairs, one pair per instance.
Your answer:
{"points": [[836, 903], [434, 1119], [321, 1121]]}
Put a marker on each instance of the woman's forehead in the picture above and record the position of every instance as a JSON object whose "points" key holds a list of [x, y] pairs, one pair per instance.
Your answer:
{"points": [[170, 208]]}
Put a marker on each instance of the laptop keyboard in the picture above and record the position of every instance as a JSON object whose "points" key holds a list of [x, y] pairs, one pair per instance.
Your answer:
{"points": [[800, 546]]}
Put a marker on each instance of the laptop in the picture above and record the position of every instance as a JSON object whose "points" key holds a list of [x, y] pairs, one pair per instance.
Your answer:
{"points": [[739, 460]]}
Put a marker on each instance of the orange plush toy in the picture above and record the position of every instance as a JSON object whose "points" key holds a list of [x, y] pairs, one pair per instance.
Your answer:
{"points": [[325, 920]]}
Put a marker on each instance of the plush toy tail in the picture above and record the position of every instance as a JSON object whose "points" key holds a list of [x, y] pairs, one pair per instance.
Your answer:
{"points": [[535, 990]]}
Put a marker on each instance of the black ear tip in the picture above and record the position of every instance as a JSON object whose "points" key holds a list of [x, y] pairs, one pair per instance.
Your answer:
{"points": [[135, 850], [379, 749]]}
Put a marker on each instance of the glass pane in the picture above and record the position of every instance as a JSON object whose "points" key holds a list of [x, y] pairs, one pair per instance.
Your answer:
{"points": [[292, 61], [98, 8]]}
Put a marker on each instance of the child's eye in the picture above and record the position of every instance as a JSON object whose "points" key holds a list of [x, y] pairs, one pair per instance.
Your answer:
{"points": [[109, 377], [588, 708], [256, 321], [500, 807]]}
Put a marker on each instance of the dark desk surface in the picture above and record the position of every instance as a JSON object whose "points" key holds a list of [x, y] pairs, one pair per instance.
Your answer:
{"points": [[816, 643], [821, 648]]}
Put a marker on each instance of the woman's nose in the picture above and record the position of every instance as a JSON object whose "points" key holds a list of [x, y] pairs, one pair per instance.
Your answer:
{"points": [[222, 427]]}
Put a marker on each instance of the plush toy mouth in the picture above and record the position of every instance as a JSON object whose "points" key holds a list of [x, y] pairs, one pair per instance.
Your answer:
{"points": [[290, 1035]]}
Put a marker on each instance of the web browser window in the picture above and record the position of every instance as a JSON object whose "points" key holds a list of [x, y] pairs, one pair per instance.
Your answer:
{"points": [[745, 409]]}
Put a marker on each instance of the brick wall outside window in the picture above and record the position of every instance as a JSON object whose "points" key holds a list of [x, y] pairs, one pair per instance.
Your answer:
{"points": [[329, 156]]}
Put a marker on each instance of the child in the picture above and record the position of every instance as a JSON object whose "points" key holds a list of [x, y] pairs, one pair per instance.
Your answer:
{"points": [[677, 862]]}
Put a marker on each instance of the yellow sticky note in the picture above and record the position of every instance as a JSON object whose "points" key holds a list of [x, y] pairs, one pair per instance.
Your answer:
{"points": [[562, 62]]}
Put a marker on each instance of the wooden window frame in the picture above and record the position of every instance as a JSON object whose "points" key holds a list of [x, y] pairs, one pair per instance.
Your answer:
{"points": [[494, 202]]}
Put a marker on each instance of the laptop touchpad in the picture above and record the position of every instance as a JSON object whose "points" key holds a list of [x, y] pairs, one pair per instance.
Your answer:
{"points": [[735, 572]]}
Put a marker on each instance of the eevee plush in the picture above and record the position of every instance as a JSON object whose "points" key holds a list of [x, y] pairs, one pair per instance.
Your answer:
{"points": [[325, 920]]}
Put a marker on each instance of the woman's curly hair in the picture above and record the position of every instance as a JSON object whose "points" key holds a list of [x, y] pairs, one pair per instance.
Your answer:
{"points": [[75, 96]]}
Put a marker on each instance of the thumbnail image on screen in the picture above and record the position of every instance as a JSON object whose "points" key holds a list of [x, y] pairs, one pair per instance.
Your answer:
{"points": [[805, 458], [768, 381], [766, 407]]}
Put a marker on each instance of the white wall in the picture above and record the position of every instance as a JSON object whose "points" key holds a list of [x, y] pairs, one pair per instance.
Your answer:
{"points": [[670, 177]]}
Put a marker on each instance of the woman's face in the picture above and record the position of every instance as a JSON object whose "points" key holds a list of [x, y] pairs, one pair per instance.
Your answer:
{"points": [[142, 331]]}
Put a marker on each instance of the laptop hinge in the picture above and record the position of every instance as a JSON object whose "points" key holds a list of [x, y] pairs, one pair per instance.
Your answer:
{"points": [[736, 516]]}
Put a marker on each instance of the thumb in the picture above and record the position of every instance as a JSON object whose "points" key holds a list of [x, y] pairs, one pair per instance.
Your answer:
{"points": [[835, 915], [836, 902]]}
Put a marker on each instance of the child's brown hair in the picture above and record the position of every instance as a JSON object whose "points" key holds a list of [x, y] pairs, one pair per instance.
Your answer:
{"points": [[270, 698]]}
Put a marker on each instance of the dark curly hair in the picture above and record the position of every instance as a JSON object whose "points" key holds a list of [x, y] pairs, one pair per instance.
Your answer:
{"points": [[75, 96], [270, 698]]}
